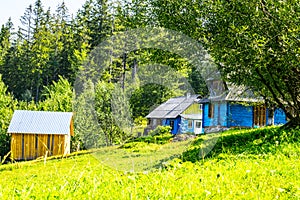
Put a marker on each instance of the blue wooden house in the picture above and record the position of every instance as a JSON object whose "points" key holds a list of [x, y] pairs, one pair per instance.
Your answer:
{"points": [[183, 114], [235, 106]]}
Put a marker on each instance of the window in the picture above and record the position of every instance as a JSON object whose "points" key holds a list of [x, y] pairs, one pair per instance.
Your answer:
{"points": [[190, 124], [211, 110], [198, 124], [259, 115]]}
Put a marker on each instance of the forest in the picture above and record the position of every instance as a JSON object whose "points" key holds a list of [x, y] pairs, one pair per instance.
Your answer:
{"points": [[253, 43]]}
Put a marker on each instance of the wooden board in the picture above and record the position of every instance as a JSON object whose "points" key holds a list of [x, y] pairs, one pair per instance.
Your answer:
{"points": [[31, 146]]}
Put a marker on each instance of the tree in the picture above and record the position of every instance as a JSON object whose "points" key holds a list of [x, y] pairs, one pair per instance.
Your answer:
{"points": [[183, 16], [5, 43], [107, 121], [7, 107], [256, 43], [253, 43], [29, 56], [95, 18], [57, 97], [147, 97], [88, 133]]}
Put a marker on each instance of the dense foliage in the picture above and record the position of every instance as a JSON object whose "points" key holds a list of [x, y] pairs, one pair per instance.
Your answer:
{"points": [[256, 44], [253, 43], [40, 60]]}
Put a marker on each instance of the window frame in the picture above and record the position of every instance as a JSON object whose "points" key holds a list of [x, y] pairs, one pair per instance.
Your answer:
{"points": [[190, 124]]}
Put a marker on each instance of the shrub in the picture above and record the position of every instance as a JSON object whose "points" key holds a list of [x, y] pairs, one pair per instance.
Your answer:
{"points": [[160, 135], [160, 130]]}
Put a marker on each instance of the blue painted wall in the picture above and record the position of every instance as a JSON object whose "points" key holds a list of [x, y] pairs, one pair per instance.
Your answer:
{"points": [[279, 117], [240, 115], [206, 120], [233, 115], [220, 115], [223, 114], [228, 115], [177, 122], [184, 126]]}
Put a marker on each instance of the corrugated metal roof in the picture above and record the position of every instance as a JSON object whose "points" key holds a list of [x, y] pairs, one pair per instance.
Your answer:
{"points": [[40, 122], [173, 107]]}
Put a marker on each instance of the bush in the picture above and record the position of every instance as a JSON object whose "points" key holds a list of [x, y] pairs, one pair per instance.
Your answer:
{"points": [[4, 145], [160, 135], [160, 130]]}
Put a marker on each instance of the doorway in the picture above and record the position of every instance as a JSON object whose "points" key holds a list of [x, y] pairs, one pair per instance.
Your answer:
{"points": [[197, 127]]}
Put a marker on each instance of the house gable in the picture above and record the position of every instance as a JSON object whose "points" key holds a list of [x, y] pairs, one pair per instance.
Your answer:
{"points": [[195, 108]]}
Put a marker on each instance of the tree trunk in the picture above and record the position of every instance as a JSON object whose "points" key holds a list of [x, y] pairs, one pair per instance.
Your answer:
{"points": [[293, 123]]}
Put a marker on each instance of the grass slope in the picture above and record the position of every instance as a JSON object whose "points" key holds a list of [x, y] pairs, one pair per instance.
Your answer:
{"points": [[243, 165]]}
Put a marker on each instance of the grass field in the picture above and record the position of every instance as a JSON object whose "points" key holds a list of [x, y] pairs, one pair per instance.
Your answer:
{"points": [[247, 164]]}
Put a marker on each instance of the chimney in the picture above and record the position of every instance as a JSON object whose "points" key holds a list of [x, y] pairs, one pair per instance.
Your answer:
{"points": [[188, 95]]}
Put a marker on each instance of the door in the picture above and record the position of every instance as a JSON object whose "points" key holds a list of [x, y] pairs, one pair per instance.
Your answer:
{"points": [[197, 127], [259, 116]]}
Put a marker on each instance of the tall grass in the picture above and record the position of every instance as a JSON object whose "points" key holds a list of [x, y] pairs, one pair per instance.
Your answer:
{"points": [[252, 166], [248, 142]]}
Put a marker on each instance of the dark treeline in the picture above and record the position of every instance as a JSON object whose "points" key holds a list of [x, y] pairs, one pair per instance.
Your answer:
{"points": [[51, 44], [40, 59]]}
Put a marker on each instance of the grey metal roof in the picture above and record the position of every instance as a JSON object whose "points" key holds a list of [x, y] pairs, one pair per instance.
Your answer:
{"points": [[173, 107], [40, 122]]}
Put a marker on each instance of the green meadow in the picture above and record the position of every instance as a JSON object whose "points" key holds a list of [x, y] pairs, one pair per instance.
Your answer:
{"points": [[244, 164]]}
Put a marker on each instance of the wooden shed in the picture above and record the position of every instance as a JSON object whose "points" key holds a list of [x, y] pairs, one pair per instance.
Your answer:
{"points": [[40, 133]]}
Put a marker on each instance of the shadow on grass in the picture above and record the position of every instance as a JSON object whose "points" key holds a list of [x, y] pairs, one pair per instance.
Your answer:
{"points": [[248, 142]]}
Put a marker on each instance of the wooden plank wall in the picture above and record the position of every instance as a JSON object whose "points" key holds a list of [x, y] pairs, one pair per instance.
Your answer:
{"points": [[31, 146], [16, 146]]}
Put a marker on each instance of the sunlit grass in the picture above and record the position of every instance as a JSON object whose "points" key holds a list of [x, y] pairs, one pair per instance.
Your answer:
{"points": [[147, 157], [232, 175]]}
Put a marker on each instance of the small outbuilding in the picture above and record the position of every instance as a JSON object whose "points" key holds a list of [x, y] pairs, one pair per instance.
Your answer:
{"points": [[183, 114], [40, 133]]}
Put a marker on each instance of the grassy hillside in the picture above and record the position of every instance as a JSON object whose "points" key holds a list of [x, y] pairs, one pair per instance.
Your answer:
{"points": [[249, 164]]}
